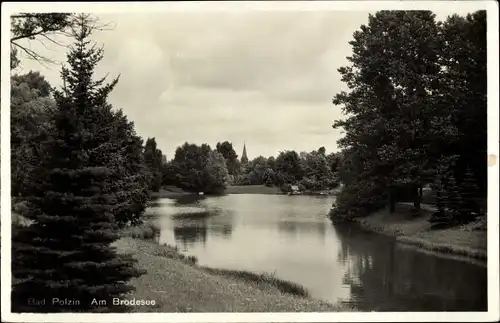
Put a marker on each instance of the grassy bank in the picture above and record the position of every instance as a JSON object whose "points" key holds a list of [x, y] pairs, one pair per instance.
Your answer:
{"points": [[467, 241], [178, 285], [329, 192], [263, 281], [170, 192], [175, 192], [252, 189]]}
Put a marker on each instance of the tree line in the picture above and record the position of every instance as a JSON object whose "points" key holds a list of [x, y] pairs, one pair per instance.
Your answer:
{"points": [[415, 115], [203, 169], [310, 171]]}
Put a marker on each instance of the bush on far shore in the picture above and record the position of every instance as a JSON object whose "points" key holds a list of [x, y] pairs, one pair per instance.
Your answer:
{"points": [[145, 231]]}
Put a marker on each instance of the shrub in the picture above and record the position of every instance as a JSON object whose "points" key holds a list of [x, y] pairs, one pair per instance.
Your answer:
{"points": [[358, 199], [286, 188], [172, 252], [145, 231], [307, 184]]}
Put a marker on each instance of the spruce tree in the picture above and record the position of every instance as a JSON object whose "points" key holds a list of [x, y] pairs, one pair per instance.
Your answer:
{"points": [[453, 198], [66, 252], [441, 215], [468, 192]]}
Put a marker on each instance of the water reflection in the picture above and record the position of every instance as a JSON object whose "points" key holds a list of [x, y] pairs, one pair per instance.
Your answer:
{"points": [[221, 225], [291, 237], [188, 236], [191, 228], [296, 229], [386, 277], [188, 199]]}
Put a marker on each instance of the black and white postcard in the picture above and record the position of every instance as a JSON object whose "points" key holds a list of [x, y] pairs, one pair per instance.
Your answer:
{"points": [[249, 161]]}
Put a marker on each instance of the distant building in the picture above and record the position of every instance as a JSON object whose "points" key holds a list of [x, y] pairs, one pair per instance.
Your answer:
{"points": [[244, 158]]}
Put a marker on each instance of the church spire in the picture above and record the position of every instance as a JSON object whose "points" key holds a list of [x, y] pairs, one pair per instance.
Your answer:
{"points": [[244, 158]]}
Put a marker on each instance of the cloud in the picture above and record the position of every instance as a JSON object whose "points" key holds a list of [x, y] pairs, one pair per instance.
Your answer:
{"points": [[264, 78]]}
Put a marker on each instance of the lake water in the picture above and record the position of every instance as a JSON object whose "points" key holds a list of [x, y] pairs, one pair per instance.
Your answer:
{"points": [[291, 237]]}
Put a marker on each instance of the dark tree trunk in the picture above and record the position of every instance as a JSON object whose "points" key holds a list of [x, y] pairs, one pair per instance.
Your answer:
{"points": [[392, 200], [416, 200]]}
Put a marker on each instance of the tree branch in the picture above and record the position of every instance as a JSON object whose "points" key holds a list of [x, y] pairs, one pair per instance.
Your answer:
{"points": [[33, 55], [53, 41], [29, 35], [50, 25]]}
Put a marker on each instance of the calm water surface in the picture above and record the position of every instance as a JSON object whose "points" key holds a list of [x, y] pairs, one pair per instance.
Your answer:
{"points": [[291, 237]]}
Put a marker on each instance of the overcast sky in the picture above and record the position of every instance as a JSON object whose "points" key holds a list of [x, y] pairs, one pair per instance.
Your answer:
{"points": [[264, 78]]}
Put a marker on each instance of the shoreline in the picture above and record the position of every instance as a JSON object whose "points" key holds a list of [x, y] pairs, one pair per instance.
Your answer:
{"points": [[465, 241], [178, 284], [170, 192], [253, 189], [175, 192]]}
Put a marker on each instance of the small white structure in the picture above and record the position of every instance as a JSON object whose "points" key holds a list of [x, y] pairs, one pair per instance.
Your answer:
{"points": [[294, 190], [201, 193]]}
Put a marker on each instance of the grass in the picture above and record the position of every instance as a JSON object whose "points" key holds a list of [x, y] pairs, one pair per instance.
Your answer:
{"points": [[146, 231], [170, 192], [263, 280], [446, 248], [263, 189], [328, 192], [172, 252], [466, 241], [252, 189], [149, 231], [176, 286]]}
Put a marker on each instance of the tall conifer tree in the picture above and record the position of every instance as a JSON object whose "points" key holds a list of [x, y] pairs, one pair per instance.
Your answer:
{"points": [[66, 253]]}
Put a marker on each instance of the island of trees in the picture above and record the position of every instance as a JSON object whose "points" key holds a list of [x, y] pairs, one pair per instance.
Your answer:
{"points": [[200, 169]]}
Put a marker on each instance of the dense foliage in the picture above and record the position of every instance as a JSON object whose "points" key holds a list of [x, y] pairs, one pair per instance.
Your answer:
{"points": [[310, 171], [230, 156], [197, 169], [415, 113], [31, 110], [154, 161], [201, 169]]}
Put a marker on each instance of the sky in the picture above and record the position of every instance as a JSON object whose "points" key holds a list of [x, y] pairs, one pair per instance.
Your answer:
{"points": [[265, 79]]}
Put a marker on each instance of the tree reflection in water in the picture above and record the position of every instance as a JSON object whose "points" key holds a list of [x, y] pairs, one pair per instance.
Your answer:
{"points": [[384, 276], [192, 228]]}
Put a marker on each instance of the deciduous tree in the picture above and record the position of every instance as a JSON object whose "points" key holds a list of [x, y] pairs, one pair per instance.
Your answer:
{"points": [[398, 112], [31, 112], [154, 161], [45, 28], [216, 174], [227, 150]]}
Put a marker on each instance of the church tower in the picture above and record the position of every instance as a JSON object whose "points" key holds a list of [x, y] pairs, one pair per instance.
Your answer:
{"points": [[244, 158]]}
